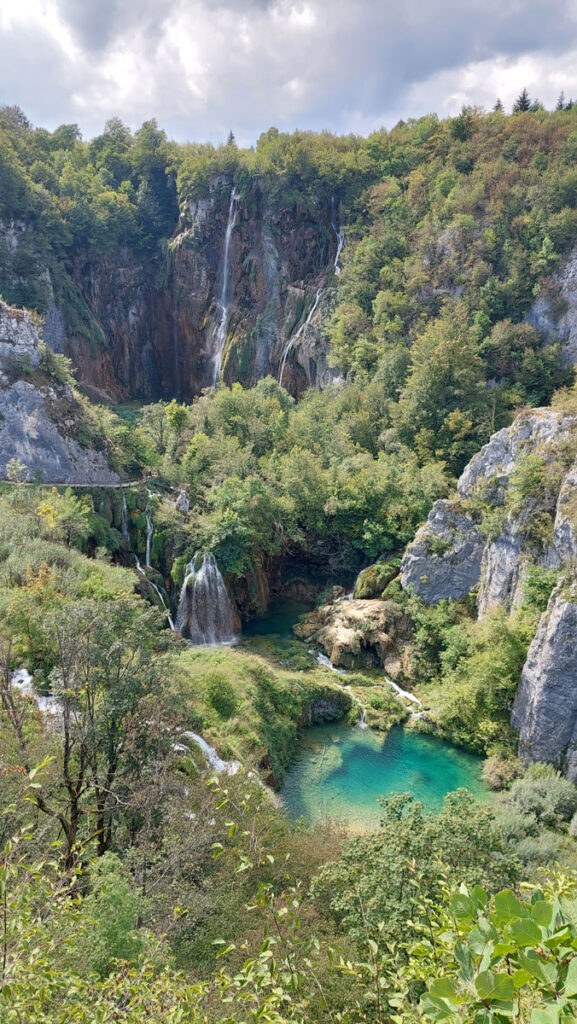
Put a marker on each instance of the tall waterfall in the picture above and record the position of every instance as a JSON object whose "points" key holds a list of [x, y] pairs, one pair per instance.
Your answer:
{"points": [[338, 233], [224, 297], [292, 341], [205, 615]]}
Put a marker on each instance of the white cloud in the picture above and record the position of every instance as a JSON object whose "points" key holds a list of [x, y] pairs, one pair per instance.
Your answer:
{"points": [[205, 66]]}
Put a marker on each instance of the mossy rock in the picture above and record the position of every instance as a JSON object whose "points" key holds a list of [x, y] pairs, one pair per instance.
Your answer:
{"points": [[373, 580]]}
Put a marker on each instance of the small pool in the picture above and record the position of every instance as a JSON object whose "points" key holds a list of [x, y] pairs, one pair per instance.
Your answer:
{"points": [[282, 614], [339, 773]]}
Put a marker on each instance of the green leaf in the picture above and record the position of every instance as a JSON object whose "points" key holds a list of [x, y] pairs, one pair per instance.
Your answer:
{"points": [[537, 968], [549, 1015], [464, 958], [521, 977], [508, 907], [493, 987], [525, 932], [436, 1009], [444, 988], [479, 897], [571, 978], [569, 910], [542, 913], [462, 907]]}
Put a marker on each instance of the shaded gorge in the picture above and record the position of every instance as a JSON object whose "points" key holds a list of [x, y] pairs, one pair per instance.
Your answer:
{"points": [[340, 773]]}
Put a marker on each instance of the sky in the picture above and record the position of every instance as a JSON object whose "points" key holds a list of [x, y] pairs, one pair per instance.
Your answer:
{"points": [[205, 67]]}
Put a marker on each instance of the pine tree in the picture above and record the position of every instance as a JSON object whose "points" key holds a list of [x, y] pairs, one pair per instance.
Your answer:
{"points": [[560, 105], [231, 141], [522, 103], [498, 108]]}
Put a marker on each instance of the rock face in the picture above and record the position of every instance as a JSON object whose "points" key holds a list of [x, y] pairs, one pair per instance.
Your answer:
{"points": [[450, 555], [149, 328], [18, 337], [444, 560], [38, 417], [554, 313], [545, 710]]}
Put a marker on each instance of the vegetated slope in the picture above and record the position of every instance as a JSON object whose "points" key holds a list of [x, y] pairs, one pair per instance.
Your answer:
{"points": [[121, 242]]}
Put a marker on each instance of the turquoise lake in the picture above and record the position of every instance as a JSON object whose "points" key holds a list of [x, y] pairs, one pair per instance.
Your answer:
{"points": [[339, 773]]}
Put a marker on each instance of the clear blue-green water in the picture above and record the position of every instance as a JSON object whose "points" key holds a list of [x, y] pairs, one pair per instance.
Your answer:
{"points": [[339, 773], [281, 616]]}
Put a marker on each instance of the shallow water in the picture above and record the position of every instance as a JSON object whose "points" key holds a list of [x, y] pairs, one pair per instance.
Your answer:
{"points": [[340, 772]]}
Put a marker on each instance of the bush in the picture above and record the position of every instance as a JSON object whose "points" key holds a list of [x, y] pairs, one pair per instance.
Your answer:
{"points": [[542, 849], [220, 695], [499, 772], [545, 793]]}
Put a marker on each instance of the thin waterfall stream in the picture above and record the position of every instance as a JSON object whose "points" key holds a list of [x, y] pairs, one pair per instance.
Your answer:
{"points": [[224, 290], [339, 234], [292, 341]]}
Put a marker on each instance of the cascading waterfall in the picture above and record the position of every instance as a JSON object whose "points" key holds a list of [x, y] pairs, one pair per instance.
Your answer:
{"points": [[125, 529], [406, 695], [326, 662], [211, 755], [157, 591], [205, 616], [149, 527], [339, 234], [224, 297], [292, 341], [149, 536]]}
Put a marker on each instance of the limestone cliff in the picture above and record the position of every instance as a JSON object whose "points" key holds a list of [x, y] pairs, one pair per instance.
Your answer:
{"points": [[246, 280], [545, 710], [483, 539], [516, 505], [39, 415]]}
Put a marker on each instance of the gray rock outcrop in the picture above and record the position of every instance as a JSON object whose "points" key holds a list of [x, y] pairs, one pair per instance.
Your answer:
{"points": [[27, 433], [39, 417], [444, 560], [558, 320], [450, 556], [18, 337], [545, 709]]}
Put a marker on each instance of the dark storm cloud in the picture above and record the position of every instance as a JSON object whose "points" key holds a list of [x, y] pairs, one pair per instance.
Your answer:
{"points": [[204, 66]]}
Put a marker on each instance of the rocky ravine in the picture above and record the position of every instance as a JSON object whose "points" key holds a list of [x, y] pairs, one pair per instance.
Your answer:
{"points": [[452, 555], [38, 415]]}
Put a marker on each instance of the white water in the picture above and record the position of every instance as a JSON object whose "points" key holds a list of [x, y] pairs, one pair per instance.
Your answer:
{"points": [[224, 297], [403, 693], [292, 341], [23, 681], [125, 529], [326, 662], [339, 234], [149, 528], [157, 590], [205, 616], [211, 756]]}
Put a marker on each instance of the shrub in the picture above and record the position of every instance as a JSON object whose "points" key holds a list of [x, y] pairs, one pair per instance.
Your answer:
{"points": [[220, 695], [545, 793]]}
